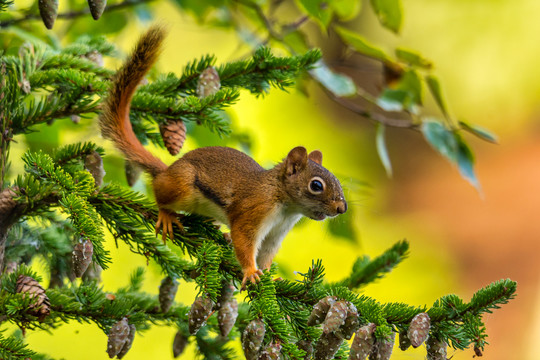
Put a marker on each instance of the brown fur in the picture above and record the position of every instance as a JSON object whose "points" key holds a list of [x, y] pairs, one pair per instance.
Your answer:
{"points": [[260, 206]]}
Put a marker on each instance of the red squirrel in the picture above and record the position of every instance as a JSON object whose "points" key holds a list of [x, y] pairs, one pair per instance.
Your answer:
{"points": [[259, 206]]}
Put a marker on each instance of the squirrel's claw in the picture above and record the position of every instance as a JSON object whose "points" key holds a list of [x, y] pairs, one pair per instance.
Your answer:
{"points": [[253, 276], [166, 220]]}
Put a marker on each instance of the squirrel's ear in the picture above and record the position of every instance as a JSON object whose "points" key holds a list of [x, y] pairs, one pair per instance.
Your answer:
{"points": [[315, 156], [296, 160]]}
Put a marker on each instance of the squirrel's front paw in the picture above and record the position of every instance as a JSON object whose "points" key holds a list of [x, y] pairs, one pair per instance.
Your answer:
{"points": [[251, 275], [166, 220]]}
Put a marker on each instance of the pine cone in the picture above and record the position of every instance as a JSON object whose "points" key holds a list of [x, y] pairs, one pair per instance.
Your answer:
{"points": [[7, 204], [208, 83], [271, 352], [351, 322], [436, 350], [307, 346], [94, 164], [383, 348], [252, 338], [335, 317], [404, 341], [97, 7], [419, 329], [118, 336], [198, 314], [320, 310], [48, 10], [81, 257], [227, 291], [327, 346], [173, 133], [179, 344], [128, 343], [40, 306], [93, 273], [133, 172], [228, 312], [167, 292], [363, 342], [95, 56]]}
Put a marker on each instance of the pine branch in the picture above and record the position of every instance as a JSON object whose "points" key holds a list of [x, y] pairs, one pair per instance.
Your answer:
{"points": [[13, 348], [73, 14], [365, 271]]}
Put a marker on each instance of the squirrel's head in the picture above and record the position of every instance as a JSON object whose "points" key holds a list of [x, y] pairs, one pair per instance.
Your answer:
{"points": [[314, 191]]}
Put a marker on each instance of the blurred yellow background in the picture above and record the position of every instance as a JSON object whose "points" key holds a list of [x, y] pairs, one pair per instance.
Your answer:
{"points": [[486, 54]]}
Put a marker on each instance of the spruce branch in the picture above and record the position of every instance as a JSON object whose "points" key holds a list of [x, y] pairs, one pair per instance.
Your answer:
{"points": [[73, 14], [365, 271], [14, 348]]}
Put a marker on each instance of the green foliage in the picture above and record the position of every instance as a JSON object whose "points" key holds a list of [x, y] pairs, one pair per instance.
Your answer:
{"points": [[58, 203]]}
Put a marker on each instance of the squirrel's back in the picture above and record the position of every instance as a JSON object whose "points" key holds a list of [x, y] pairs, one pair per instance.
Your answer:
{"points": [[114, 119]]}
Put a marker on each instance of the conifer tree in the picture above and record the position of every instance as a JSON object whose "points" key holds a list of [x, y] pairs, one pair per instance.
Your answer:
{"points": [[59, 209], [61, 203]]}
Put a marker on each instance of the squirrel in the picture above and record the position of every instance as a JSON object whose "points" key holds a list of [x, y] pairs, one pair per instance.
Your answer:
{"points": [[259, 206]]}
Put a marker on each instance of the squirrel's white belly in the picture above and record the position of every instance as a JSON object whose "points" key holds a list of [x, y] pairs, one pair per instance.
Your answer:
{"points": [[274, 227]]}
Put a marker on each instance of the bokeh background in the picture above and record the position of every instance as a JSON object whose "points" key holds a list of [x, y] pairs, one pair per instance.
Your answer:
{"points": [[486, 54]]}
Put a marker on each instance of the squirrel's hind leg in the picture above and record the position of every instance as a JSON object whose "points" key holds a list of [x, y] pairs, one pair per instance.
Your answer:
{"points": [[165, 220]]}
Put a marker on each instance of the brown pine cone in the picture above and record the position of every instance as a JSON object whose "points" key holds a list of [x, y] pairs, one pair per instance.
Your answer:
{"points": [[307, 346], [227, 314], [200, 311], [252, 339], [363, 342], [320, 310], [271, 352], [128, 343], [167, 292], [40, 306], [336, 317], [209, 82], [173, 133], [383, 348], [133, 172], [81, 257], [48, 10], [93, 163], [404, 341], [436, 349], [118, 336], [327, 346], [351, 322], [97, 7], [419, 329], [7, 204], [179, 344]]}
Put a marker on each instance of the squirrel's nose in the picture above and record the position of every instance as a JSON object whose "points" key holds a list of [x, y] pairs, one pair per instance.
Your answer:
{"points": [[341, 207]]}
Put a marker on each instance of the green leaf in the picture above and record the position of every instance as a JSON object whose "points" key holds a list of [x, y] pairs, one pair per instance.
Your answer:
{"points": [[413, 58], [442, 139], [435, 88], [406, 96], [465, 161], [389, 12], [342, 226], [338, 84], [382, 150], [482, 133], [318, 10], [361, 45], [393, 100], [346, 9], [452, 146]]}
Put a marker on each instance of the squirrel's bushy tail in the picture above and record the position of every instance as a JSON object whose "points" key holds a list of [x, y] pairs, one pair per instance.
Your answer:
{"points": [[114, 119]]}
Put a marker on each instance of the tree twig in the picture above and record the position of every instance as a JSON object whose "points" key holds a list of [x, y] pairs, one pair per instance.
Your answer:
{"points": [[73, 14]]}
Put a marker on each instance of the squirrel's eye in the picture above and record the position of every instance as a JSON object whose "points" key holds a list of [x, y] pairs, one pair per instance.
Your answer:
{"points": [[316, 186]]}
